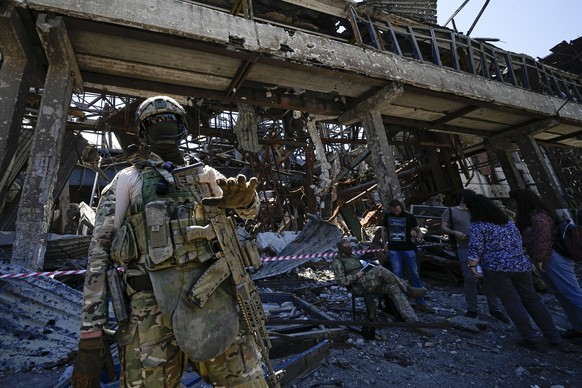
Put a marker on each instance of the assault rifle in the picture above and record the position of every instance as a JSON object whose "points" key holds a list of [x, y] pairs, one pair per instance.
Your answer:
{"points": [[233, 259]]}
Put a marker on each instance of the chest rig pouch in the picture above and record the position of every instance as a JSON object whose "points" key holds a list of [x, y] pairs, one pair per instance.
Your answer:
{"points": [[175, 264]]}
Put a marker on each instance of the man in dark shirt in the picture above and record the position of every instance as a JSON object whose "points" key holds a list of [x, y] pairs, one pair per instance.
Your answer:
{"points": [[397, 237]]}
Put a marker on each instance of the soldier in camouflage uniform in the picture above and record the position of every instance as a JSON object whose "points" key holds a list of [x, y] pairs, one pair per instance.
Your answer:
{"points": [[164, 331], [379, 280]]}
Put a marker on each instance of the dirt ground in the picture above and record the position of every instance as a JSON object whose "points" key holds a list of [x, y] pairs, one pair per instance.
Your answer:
{"points": [[446, 357], [450, 357]]}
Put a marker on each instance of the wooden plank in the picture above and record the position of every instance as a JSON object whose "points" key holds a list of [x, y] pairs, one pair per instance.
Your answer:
{"points": [[304, 363]]}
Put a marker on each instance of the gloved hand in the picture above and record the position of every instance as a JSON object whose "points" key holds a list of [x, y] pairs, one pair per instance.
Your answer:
{"points": [[237, 193], [94, 354]]}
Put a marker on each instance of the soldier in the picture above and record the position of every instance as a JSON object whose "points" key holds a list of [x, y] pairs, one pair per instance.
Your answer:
{"points": [[349, 272], [142, 222]]}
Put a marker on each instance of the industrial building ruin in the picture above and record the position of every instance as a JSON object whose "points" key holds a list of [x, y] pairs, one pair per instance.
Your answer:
{"points": [[336, 106], [323, 101]]}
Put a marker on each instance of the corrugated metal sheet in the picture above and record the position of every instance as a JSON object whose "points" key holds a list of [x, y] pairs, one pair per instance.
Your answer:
{"points": [[316, 237], [59, 246], [421, 10]]}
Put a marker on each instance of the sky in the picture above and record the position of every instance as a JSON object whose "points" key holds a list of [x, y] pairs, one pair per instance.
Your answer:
{"points": [[531, 27]]}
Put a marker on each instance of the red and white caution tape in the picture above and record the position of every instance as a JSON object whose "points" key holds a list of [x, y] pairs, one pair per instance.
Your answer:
{"points": [[263, 259], [313, 255], [33, 274]]}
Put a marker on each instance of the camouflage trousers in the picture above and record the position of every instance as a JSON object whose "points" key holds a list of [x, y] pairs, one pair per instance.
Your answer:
{"points": [[380, 280], [150, 356]]}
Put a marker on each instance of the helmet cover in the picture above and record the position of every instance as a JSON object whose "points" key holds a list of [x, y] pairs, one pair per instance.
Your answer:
{"points": [[161, 120]]}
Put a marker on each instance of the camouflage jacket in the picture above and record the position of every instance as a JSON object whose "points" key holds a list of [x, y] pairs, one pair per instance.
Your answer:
{"points": [[345, 269], [95, 311]]}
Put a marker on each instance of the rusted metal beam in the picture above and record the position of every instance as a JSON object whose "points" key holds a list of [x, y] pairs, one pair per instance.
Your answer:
{"points": [[456, 114], [331, 322], [525, 130], [286, 345], [412, 123], [240, 76]]}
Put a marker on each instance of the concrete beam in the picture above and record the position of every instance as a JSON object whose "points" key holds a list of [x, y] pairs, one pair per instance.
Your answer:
{"points": [[145, 88], [201, 23], [58, 47], [375, 103], [330, 7], [402, 122], [36, 205], [530, 129]]}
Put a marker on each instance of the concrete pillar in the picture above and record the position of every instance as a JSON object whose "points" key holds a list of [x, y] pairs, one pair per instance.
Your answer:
{"points": [[382, 158], [437, 170], [36, 205], [510, 170], [547, 186], [17, 72], [381, 153], [532, 155]]}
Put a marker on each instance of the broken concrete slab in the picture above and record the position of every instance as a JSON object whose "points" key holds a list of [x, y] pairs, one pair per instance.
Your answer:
{"points": [[39, 321]]}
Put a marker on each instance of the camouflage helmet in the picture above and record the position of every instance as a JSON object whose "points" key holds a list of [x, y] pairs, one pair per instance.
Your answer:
{"points": [[157, 110]]}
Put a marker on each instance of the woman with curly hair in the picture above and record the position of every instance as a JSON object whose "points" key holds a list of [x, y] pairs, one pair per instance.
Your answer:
{"points": [[538, 224], [495, 244]]}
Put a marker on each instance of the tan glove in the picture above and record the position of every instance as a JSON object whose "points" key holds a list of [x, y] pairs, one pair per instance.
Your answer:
{"points": [[94, 355], [237, 193]]}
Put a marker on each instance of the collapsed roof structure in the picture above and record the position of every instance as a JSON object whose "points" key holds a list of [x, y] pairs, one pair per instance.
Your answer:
{"points": [[336, 106]]}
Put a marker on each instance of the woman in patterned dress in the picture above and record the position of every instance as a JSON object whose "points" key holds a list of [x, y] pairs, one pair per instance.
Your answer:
{"points": [[496, 245]]}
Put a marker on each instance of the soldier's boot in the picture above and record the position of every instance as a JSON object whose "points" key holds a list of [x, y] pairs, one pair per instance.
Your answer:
{"points": [[413, 292], [405, 309]]}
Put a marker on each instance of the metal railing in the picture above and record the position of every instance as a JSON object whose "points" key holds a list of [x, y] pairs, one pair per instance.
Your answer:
{"points": [[444, 47]]}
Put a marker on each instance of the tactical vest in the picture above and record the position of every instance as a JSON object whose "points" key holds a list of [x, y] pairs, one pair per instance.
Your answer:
{"points": [[159, 221], [350, 264]]}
